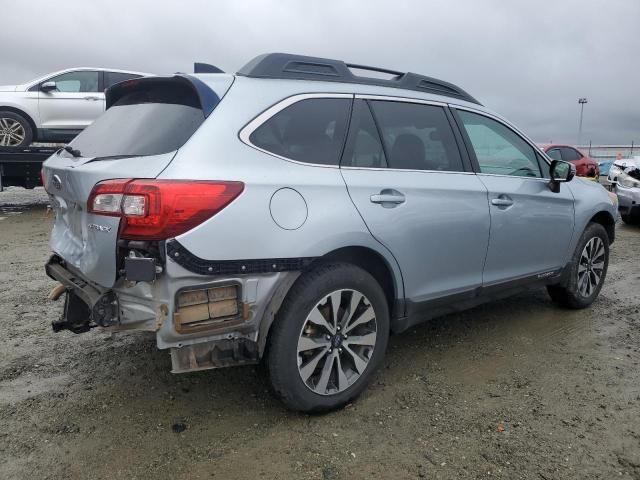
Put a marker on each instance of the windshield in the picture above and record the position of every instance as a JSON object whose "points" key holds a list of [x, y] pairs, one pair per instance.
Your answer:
{"points": [[150, 122]]}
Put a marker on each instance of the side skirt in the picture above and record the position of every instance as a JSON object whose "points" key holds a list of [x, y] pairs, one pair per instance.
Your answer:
{"points": [[419, 312]]}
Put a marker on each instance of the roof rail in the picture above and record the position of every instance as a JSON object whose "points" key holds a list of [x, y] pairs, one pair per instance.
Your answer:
{"points": [[300, 67]]}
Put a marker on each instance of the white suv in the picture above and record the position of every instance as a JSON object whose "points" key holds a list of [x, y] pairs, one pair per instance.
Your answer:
{"points": [[56, 107]]}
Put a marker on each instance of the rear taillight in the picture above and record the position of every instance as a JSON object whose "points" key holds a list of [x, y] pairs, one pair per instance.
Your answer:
{"points": [[160, 209]]}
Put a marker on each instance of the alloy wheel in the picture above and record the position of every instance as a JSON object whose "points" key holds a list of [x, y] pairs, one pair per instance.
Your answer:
{"points": [[12, 132], [336, 342], [591, 266]]}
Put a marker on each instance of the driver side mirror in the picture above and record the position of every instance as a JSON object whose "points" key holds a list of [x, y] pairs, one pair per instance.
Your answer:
{"points": [[560, 172], [48, 86]]}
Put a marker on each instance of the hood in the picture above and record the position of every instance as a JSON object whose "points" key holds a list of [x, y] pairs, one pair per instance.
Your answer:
{"points": [[8, 88], [628, 163]]}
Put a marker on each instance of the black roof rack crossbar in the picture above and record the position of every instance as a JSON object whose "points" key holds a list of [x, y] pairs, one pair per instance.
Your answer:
{"points": [[299, 67]]}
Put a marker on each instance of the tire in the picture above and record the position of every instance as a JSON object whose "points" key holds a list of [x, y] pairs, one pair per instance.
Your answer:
{"points": [[297, 367], [15, 130], [581, 288], [630, 219]]}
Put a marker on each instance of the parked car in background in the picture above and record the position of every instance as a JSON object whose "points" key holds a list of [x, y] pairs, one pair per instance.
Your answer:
{"points": [[624, 178], [55, 107], [585, 165], [298, 213], [604, 165]]}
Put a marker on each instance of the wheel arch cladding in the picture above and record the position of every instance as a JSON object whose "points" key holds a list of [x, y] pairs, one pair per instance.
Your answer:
{"points": [[22, 113], [608, 222], [366, 258], [373, 263]]}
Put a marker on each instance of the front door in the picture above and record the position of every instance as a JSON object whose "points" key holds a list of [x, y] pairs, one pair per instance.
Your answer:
{"points": [[405, 175], [74, 104], [531, 226]]}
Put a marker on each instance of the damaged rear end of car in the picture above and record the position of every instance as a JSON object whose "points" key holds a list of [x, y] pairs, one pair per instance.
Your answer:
{"points": [[114, 216]]}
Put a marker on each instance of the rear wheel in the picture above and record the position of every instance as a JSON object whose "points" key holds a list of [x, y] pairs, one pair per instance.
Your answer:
{"points": [[15, 130], [329, 338], [587, 270]]}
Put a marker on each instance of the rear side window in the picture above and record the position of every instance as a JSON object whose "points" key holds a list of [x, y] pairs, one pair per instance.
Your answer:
{"points": [[499, 150], [111, 78], [310, 131], [364, 147], [157, 119], [416, 136]]}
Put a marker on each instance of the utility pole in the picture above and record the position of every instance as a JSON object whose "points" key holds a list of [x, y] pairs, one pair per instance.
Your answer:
{"points": [[581, 102]]}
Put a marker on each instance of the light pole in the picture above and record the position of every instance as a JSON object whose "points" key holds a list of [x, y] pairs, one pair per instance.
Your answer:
{"points": [[581, 102]]}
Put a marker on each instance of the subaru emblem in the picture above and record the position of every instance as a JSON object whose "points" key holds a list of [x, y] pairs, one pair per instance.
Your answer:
{"points": [[55, 180]]}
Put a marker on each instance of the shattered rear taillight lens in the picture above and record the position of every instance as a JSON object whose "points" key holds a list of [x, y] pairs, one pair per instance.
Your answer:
{"points": [[160, 209]]}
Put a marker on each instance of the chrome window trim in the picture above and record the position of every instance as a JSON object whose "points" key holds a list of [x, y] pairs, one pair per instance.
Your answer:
{"points": [[388, 98], [408, 170], [249, 128], [517, 131], [539, 179]]}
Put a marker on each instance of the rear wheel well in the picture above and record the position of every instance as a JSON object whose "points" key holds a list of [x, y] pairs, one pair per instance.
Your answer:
{"points": [[370, 261], [608, 222], [26, 116]]}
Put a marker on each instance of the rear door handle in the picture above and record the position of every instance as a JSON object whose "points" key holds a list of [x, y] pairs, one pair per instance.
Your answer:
{"points": [[91, 98], [388, 198], [502, 201]]}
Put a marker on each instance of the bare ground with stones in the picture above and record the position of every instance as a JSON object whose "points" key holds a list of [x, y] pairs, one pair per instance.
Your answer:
{"points": [[514, 389]]}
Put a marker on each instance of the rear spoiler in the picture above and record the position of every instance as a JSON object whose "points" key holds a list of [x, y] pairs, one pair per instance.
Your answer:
{"points": [[206, 97]]}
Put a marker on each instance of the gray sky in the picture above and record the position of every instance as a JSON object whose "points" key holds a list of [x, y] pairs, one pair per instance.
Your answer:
{"points": [[528, 60]]}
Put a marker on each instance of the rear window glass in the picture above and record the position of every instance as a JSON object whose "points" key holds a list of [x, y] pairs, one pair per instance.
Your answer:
{"points": [[310, 131], [156, 120]]}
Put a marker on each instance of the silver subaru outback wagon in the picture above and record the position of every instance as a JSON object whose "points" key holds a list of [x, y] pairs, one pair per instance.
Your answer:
{"points": [[298, 213]]}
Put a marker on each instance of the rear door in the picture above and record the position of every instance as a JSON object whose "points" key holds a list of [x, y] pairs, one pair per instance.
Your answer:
{"points": [[77, 101], [531, 226], [137, 137], [406, 176]]}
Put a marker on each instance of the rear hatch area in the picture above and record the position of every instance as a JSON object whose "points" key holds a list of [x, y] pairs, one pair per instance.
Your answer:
{"points": [[146, 122]]}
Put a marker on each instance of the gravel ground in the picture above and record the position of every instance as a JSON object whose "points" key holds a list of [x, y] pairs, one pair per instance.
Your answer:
{"points": [[514, 389]]}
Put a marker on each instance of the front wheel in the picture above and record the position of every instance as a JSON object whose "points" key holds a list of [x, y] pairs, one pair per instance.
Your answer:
{"points": [[587, 270], [630, 219], [330, 336]]}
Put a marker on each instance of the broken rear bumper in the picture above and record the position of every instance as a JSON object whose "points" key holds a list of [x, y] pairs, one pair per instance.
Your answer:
{"points": [[86, 305]]}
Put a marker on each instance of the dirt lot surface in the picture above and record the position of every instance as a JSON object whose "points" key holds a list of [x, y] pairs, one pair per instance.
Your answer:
{"points": [[514, 389]]}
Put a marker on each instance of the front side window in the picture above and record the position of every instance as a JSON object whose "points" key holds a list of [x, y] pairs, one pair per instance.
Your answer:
{"points": [[569, 154], [310, 131], [499, 150], [76, 82], [417, 136]]}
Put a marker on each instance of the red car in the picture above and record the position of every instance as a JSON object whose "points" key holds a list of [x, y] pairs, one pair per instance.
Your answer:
{"points": [[585, 165]]}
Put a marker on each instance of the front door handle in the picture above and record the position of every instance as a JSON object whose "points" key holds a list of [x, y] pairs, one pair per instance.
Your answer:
{"points": [[388, 198], [502, 201], [91, 98]]}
